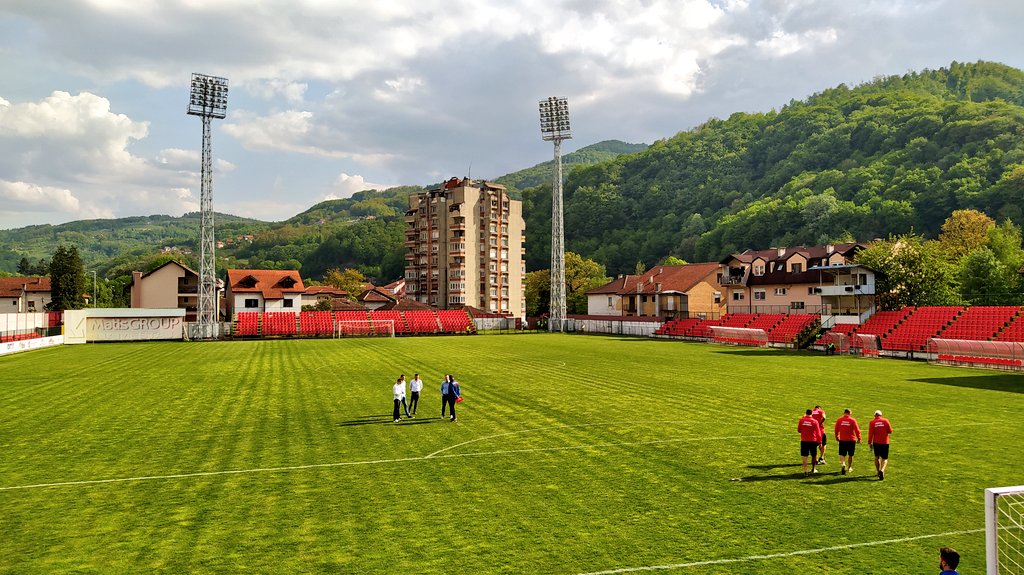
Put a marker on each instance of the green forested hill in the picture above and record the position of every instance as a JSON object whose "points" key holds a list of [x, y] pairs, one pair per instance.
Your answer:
{"points": [[890, 156], [894, 155]]}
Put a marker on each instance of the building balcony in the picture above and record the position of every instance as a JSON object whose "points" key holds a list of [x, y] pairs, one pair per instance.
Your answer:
{"points": [[728, 280], [841, 290], [410, 244], [410, 257]]}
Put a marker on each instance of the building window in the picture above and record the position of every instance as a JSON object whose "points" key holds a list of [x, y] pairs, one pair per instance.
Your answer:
{"points": [[609, 301], [759, 295], [737, 296], [797, 268], [249, 302], [780, 291], [718, 298], [287, 303], [759, 270], [796, 305], [810, 291]]}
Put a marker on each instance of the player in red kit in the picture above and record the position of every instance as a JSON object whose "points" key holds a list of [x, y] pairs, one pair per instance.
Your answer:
{"points": [[810, 440], [878, 439], [848, 435], [819, 415]]}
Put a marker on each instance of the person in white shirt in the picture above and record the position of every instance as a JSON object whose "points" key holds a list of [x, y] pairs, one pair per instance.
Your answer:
{"points": [[399, 393], [405, 405], [415, 387]]}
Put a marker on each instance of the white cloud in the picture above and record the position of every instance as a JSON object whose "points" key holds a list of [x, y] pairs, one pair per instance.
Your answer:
{"points": [[32, 197], [345, 185], [783, 43]]}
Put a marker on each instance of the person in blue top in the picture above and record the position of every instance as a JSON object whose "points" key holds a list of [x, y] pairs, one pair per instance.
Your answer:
{"points": [[948, 561], [453, 394]]}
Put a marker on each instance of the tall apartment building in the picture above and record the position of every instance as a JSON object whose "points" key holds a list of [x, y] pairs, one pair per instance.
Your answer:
{"points": [[465, 244]]}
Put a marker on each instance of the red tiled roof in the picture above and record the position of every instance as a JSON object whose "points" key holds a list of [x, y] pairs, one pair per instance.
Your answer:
{"points": [[671, 278], [345, 305], [811, 253], [329, 290], [615, 286], [375, 294], [17, 286], [273, 284]]}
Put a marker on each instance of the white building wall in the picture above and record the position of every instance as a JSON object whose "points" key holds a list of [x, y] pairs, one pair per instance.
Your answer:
{"points": [[598, 304]]}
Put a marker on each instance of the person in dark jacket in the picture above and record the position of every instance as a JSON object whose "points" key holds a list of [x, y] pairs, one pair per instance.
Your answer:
{"points": [[453, 394]]}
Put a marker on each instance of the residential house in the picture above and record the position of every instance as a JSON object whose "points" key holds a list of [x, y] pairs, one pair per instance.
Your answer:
{"points": [[24, 294], [781, 280], [690, 290], [264, 290], [316, 294], [170, 286]]}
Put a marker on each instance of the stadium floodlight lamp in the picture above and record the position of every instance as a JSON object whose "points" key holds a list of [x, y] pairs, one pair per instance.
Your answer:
{"points": [[554, 127], [209, 97], [554, 119]]}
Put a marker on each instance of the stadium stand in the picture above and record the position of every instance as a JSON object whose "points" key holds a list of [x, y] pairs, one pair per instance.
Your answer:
{"points": [[922, 324], [980, 322], [395, 316], [737, 319], [677, 327], [422, 321], [766, 321], [247, 323], [316, 323], [1014, 331], [455, 321], [791, 327], [279, 323]]}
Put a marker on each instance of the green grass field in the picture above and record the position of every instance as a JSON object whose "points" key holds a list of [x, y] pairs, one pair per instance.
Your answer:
{"points": [[572, 454]]}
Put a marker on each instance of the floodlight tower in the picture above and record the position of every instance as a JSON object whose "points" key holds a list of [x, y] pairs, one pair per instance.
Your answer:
{"points": [[208, 100], [554, 127]]}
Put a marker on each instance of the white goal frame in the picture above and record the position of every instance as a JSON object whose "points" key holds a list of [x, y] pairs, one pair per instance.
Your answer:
{"points": [[1004, 524], [364, 328]]}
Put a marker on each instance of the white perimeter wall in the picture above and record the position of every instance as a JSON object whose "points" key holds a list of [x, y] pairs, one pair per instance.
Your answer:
{"points": [[30, 344], [22, 322]]}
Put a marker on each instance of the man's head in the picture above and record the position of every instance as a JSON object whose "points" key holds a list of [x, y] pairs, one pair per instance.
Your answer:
{"points": [[846, 411], [948, 558], [878, 413], [817, 407], [415, 376], [808, 412]]}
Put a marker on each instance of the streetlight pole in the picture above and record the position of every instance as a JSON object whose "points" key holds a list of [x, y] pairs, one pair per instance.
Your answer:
{"points": [[554, 127], [93, 288]]}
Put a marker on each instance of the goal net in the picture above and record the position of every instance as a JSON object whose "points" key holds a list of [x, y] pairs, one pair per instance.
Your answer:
{"points": [[364, 328], [1004, 530], [738, 335]]}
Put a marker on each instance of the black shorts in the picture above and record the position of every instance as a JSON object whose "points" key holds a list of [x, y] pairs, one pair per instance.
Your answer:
{"points": [[824, 439], [881, 450], [809, 448], [847, 448]]}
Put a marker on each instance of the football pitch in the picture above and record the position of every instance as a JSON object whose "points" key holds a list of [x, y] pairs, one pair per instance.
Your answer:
{"points": [[571, 455]]}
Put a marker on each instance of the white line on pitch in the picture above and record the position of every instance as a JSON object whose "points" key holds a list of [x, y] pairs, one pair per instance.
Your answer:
{"points": [[435, 455], [778, 555]]}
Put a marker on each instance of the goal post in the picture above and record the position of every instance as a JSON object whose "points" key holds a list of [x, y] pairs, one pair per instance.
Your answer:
{"points": [[1004, 530], [364, 328]]}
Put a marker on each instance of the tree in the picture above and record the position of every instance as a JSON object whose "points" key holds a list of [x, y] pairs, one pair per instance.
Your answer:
{"points": [[673, 261], [983, 279], [351, 281], [538, 292], [67, 280], [640, 268], [963, 232], [581, 275], [916, 272]]}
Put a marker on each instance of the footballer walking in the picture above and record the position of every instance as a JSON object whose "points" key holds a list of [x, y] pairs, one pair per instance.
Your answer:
{"points": [[878, 439], [848, 435], [810, 440]]}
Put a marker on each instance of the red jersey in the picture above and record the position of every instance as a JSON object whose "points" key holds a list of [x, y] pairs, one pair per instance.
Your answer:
{"points": [[819, 416], [809, 428], [847, 429], [879, 430]]}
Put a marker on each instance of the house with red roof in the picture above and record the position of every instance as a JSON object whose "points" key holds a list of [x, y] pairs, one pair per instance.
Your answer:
{"points": [[264, 290], [376, 298], [690, 290], [24, 294], [316, 294]]}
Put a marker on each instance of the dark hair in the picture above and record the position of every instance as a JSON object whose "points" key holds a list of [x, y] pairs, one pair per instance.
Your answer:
{"points": [[808, 412], [950, 556], [817, 407], [847, 410]]}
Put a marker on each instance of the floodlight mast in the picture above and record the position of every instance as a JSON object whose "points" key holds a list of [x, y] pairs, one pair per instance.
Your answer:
{"points": [[208, 100], [554, 127]]}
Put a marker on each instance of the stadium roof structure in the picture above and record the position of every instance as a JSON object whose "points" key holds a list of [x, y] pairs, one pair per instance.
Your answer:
{"points": [[18, 286], [272, 284]]}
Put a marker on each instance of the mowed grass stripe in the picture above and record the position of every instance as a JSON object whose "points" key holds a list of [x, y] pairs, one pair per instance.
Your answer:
{"points": [[581, 501]]}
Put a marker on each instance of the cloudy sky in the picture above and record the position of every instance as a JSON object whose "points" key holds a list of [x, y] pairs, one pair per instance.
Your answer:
{"points": [[329, 97]]}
